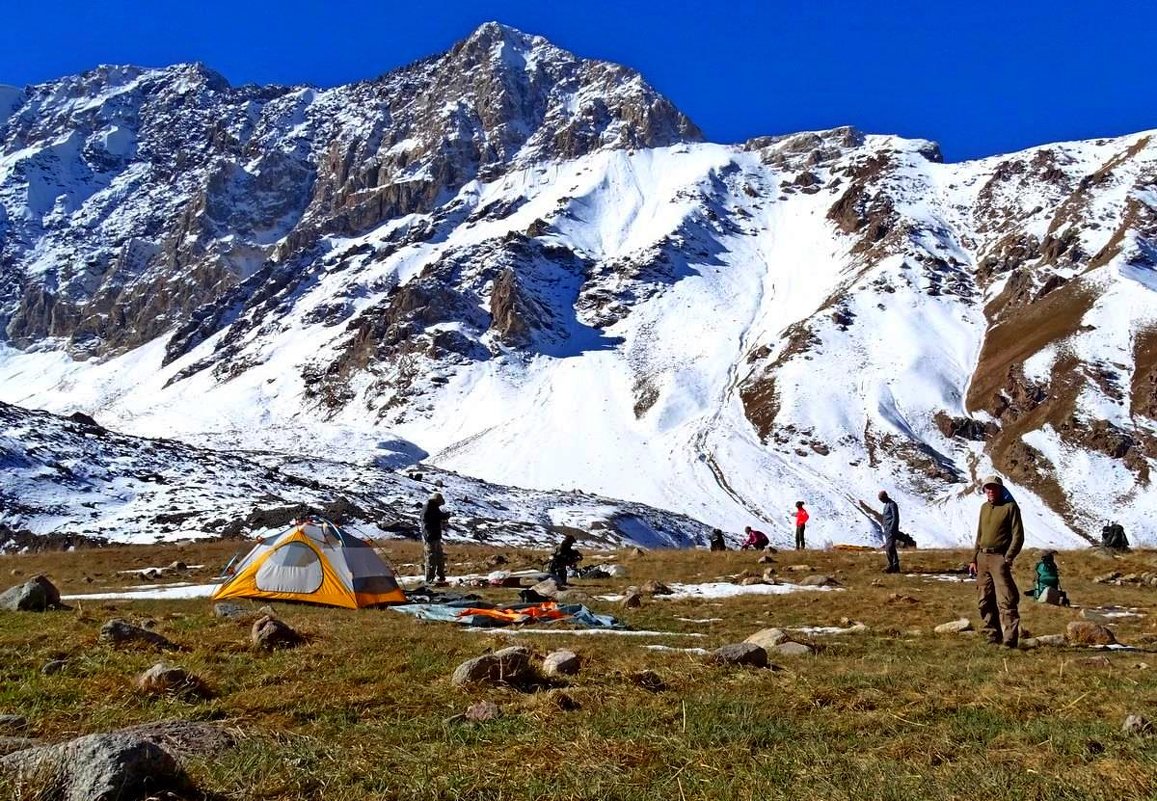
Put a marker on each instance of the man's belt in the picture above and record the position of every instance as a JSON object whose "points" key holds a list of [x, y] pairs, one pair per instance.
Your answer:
{"points": [[994, 550]]}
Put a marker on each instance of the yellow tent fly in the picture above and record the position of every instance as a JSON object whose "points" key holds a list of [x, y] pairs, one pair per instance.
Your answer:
{"points": [[316, 562]]}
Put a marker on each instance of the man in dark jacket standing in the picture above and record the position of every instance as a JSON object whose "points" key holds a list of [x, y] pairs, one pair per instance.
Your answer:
{"points": [[891, 527], [432, 519], [999, 538]]}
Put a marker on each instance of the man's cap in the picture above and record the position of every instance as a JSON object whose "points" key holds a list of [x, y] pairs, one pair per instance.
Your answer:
{"points": [[994, 479]]}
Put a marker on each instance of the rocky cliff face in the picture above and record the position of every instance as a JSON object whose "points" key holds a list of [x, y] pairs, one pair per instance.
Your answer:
{"points": [[529, 264], [130, 198]]}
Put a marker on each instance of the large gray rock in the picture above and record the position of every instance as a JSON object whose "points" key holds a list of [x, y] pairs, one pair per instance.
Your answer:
{"points": [[507, 666], [121, 633], [38, 594], [269, 633], [740, 653], [561, 663], [100, 767], [793, 649], [117, 766], [547, 588], [768, 638]]}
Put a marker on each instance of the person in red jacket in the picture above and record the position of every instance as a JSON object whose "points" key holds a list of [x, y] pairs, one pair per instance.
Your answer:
{"points": [[755, 539], [801, 518]]}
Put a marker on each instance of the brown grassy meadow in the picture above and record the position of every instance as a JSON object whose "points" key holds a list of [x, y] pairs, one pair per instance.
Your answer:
{"points": [[366, 709]]}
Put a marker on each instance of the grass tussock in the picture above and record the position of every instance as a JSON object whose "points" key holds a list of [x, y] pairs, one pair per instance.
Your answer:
{"points": [[366, 709]]}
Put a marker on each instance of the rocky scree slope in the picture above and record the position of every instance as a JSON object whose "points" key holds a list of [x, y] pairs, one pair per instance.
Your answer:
{"points": [[69, 479]]}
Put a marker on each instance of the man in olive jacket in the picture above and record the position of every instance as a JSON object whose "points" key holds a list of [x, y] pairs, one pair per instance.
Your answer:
{"points": [[999, 538]]}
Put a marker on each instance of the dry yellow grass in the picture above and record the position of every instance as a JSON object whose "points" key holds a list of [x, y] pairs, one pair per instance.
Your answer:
{"points": [[366, 709]]}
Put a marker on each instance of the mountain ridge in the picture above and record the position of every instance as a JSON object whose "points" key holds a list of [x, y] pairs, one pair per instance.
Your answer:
{"points": [[542, 276]]}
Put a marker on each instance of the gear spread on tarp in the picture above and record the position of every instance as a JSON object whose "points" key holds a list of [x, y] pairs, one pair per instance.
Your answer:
{"points": [[470, 613]]}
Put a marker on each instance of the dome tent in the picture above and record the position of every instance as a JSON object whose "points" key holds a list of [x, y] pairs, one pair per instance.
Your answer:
{"points": [[316, 562]]}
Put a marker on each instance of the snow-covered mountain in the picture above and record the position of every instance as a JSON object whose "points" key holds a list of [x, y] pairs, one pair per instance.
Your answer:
{"points": [[529, 266]]}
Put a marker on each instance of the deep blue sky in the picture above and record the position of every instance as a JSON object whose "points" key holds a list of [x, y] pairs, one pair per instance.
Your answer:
{"points": [[980, 77]]}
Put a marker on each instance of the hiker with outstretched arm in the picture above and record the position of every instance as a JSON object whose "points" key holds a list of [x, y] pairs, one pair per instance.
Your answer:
{"points": [[433, 519], [801, 518], [999, 538], [890, 523]]}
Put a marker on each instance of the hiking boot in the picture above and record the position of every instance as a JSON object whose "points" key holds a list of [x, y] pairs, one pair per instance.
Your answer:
{"points": [[441, 583], [890, 570]]}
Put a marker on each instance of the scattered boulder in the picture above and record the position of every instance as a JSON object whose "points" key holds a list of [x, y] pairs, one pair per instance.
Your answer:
{"points": [[615, 571], [497, 560], [648, 680], [507, 666], [769, 576], [632, 600], [653, 587], [1108, 578], [750, 581], [790, 648], [1138, 725], [819, 581], [561, 663], [177, 566], [1085, 632], [800, 568], [548, 588], [128, 763], [165, 679], [740, 653], [269, 633], [900, 598], [120, 633], [954, 626], [99, 767], [38, 594], [10, 724], [636, 552], [483, 711], [768, 638], [766, 559]]}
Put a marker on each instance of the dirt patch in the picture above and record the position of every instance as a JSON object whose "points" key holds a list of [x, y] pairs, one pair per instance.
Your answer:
{"points": [[1143, 391]]}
